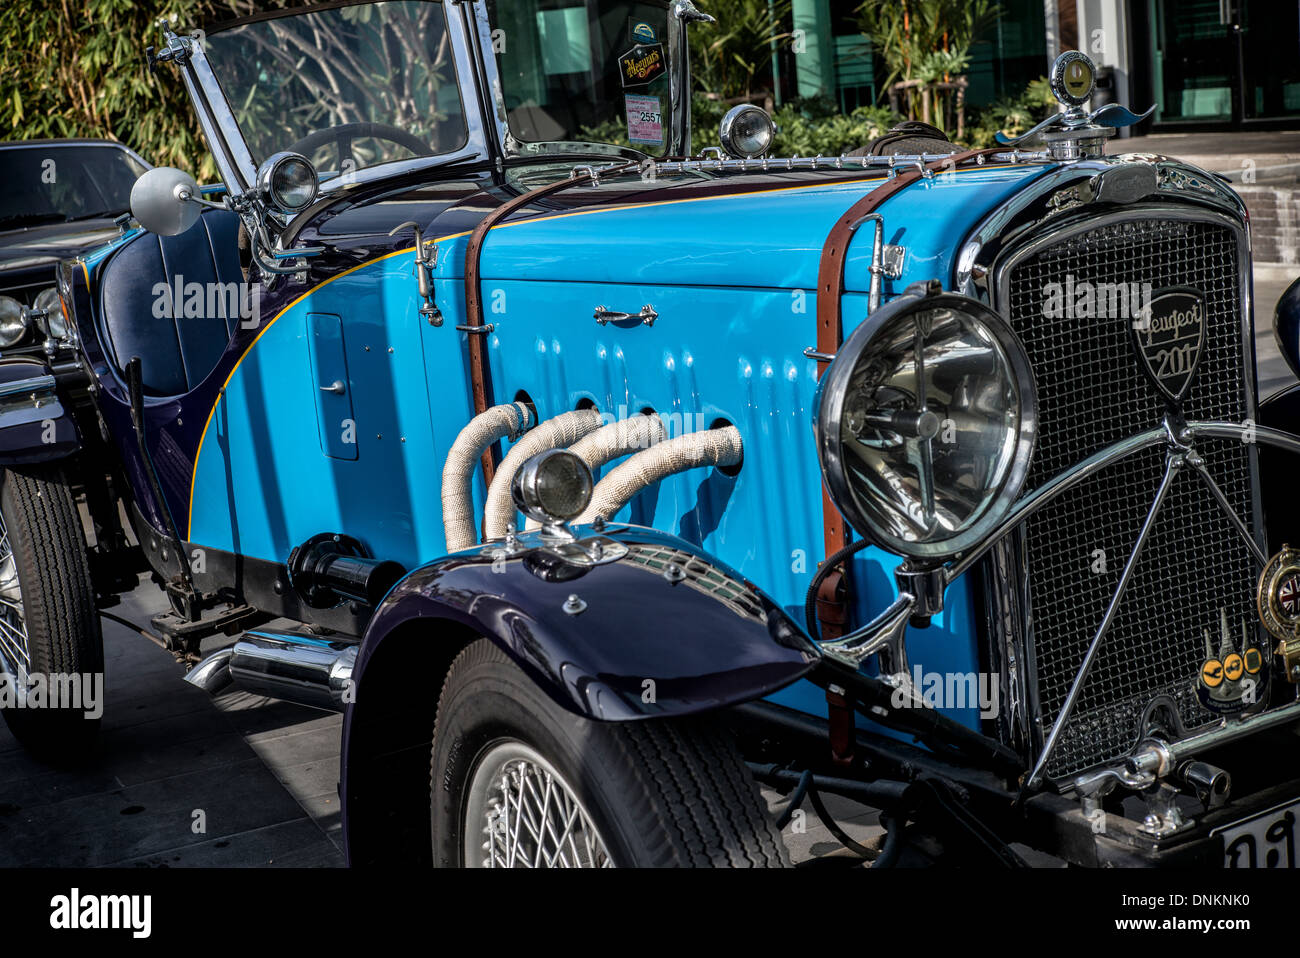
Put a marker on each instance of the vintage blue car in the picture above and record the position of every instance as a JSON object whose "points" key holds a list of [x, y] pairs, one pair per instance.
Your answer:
{"points": [[597, 483]]}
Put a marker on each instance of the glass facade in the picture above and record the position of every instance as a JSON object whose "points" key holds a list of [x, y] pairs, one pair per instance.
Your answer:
{"points": [[1006, 57], [1216, 62]]}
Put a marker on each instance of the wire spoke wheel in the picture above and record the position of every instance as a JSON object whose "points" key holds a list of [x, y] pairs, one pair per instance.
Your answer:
{"points": [[521, 813], [14, 651], [516, 780]]}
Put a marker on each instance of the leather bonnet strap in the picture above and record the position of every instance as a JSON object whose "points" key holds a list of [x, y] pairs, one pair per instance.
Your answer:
{"points": [[830, 290], [480, 376]]}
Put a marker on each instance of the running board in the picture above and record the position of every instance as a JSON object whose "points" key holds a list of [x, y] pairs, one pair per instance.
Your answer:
{"points": [[290, 666]]}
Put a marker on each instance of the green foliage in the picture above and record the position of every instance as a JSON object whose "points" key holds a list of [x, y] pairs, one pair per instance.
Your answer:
{"points": [[805, 127], [926, 42], [77, 69], [1012, 115], [906, 32], [730, 56], [804, 130], [71, 71]]}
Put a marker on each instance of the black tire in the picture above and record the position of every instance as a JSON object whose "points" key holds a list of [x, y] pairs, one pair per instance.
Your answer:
{"points": [[62, 625], [663, 792]]}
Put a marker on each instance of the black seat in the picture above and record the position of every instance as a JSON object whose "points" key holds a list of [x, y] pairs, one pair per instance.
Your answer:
{"points": [[178, 341]]}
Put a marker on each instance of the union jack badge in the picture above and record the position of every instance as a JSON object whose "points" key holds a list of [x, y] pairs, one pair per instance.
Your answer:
{"points": [[1278, 602]]}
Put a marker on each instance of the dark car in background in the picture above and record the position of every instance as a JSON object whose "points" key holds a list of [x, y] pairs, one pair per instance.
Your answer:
{"points": [[61, 198]]}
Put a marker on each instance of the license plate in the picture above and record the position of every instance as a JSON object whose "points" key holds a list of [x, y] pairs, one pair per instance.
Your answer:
{"points": [[1265, 841]]}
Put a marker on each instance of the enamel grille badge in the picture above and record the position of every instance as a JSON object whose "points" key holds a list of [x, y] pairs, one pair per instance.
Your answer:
{"points": [[1169, 337], [1233, 676]]}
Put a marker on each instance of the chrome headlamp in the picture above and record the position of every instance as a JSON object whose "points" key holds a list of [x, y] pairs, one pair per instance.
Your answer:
{"points": [[288, 181], [552, 487], [926, 424], [13, 322], [47, 311], [747, 132]]}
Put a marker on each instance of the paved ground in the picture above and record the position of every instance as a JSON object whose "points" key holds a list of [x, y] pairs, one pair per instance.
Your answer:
{"points": [[260, 774], [1220, 152]]}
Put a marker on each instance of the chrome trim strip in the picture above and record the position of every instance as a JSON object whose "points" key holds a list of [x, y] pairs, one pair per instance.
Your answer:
{"points": [[1029, 504], [1027, 211], [1255, 548], [824, 164], [43, 383], [234, 161], [1176, 439], [1154, 758]]}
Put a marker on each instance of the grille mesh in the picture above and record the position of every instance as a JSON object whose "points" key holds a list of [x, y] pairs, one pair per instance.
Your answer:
{"points": [[1091, 394]]}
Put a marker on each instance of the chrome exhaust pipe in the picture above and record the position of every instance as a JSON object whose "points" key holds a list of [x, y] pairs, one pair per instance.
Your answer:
{"points": [[288, 666]]}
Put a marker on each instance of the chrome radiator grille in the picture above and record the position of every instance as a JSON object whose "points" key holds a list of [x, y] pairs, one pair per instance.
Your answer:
{"points": [[1092, 393]]}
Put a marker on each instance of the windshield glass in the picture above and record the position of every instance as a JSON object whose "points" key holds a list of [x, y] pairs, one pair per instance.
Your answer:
{"points": [[583, 72], [61, 183], [350, 87]]}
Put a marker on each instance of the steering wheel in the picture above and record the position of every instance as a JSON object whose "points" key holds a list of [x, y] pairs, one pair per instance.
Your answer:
{"points": [[344, 135]]}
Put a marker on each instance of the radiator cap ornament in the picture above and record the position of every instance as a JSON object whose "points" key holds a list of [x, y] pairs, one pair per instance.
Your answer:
{"points": [[1076, 134], [1278, 602], [1169, 338]]}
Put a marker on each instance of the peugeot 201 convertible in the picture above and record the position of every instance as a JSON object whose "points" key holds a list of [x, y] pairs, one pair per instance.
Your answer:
{"points": [[597, 483]]}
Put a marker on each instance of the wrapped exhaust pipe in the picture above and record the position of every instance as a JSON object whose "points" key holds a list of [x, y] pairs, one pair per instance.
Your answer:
{"points": [[560, 432], [508, 420], [615, 441], [713, 447]]}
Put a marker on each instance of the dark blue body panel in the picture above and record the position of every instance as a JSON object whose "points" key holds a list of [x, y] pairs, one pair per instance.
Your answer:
{"points": [[1286, 326], [710, 640], [34, 425]]}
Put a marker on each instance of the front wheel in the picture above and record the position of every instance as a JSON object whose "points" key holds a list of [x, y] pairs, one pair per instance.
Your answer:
{"points": [[519, 782], [51, 647]]}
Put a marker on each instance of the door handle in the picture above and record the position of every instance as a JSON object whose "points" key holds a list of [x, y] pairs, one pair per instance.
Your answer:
{"points": [[647, 315], [336, 387]]}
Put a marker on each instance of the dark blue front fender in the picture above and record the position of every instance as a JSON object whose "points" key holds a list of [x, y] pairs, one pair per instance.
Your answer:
{"points": [[634, 642]]}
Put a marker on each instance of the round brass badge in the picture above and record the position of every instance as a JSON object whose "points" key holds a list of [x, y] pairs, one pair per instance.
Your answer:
{"points": [[1278, 602], [1278, 596]]}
